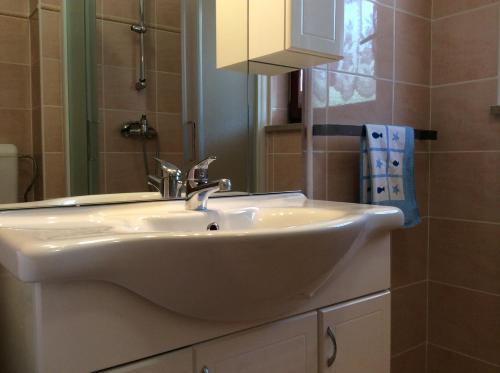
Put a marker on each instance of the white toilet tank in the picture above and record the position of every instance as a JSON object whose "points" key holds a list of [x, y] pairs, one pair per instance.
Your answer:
{"points": [[8, 173]]}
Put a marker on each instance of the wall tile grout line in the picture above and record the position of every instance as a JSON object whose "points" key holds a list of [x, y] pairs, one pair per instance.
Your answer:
{"points": [[401, 10], [463, 151], [464, 355], [464, 12], [6, 13], [413, 14], [429, 164], [465, 288], [394, 61], [415, 283], [121, 67], [15, 63], [41, 62], [17, 108], [412, 84], [378, 78], [413, 348], [465, 220], [103, 151], [463, 82], [127, 22]]}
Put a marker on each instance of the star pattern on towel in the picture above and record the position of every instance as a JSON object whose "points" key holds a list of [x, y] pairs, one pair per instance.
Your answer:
{"points": [[395, 137], [379, 163], [395, 189]]}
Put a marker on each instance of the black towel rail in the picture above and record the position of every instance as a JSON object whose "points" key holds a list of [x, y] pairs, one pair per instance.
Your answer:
{"points": [[351, 130]]}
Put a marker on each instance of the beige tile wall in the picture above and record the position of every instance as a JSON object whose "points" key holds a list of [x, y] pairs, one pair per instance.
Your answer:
{"points": [[464, 262], [394, 81], [31, 96], [285, 152], [285, 161], [31, 49], [435, 66], [399, 83], [15, 71], [118, 56], [279, 98]]}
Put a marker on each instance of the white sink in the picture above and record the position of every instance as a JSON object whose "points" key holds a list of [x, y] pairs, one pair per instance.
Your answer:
{"points": [[269, 255]]}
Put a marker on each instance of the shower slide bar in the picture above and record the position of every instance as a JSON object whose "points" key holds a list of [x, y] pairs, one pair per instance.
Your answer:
{"points": [[140, 28]]}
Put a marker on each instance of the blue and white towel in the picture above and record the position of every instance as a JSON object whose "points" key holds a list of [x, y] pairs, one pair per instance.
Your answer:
{"points": [[387, 173]]}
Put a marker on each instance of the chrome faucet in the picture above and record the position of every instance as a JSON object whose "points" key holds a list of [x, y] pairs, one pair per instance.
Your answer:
{"points": [[169, 184], [196, 188]]}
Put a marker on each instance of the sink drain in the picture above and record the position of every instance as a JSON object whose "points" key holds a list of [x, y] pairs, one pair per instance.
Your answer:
{"points": [[213, 227]]}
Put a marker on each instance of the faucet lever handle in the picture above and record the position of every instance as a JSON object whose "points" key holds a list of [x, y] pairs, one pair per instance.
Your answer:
{"points": [[199, 172], [167, 168]]}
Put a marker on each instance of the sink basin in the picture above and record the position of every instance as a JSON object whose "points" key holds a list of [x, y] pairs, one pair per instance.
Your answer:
{"points": [[270, 254]]}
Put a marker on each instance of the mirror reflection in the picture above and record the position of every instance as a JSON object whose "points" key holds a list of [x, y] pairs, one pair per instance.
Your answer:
{"points": [[121, 100], [96, 92]]}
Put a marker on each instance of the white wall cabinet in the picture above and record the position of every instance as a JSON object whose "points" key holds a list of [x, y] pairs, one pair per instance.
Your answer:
{"points": [[355, 336], [277, 36], [288, 346]]}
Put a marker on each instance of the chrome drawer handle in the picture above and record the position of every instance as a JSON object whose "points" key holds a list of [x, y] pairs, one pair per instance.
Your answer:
{"points": [[332, 358], [205, 370]]}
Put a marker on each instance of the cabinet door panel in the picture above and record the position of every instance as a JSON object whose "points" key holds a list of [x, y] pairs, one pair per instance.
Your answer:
{"points": [[361, 330], [288, 346], [316, 26], [174, 362]]}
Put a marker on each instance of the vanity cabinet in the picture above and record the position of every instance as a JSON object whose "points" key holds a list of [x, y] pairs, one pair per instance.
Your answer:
{"points": [[288, 346], [277, 36], [180, 361], [350, 337], [355, 336]]}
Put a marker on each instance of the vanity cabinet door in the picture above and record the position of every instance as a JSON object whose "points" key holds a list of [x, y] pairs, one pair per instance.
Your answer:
{"points": [[288, 346], [180, 361], [354, 336]]}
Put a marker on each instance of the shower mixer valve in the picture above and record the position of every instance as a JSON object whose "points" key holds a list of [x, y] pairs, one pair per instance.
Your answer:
{"points": [[140, 129]]}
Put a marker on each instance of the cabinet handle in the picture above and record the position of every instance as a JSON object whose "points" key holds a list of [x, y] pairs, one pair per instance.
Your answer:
{"points": [[332, 358], [204, 370]]}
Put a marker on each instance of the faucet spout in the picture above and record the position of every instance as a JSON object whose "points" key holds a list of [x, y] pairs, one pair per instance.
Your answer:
{"points": [[197, 197]]}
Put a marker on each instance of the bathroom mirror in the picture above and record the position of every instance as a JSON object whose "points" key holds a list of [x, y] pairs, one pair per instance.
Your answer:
{"points": [[93, 90]]}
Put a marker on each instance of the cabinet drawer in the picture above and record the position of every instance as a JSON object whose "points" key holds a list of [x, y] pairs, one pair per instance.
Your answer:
{"points": [[288, 346], [355, 336]]}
